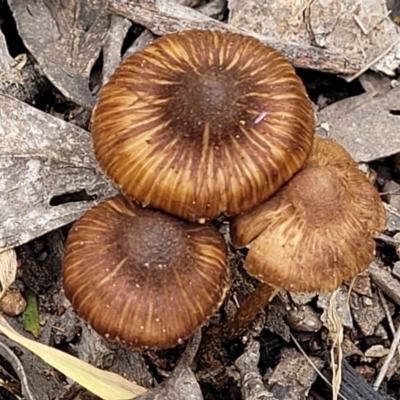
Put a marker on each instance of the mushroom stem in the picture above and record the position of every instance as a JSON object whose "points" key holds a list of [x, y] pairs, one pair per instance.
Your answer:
{"points": [[237, 324], [249, 310]]}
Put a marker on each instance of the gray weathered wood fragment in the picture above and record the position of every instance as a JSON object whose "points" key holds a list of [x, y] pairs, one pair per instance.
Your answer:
{"points": [[20, 77], [252, 384], [359, 30], [65, 37], [42, 157], [293, 376], [366, 125], [165, 16]]}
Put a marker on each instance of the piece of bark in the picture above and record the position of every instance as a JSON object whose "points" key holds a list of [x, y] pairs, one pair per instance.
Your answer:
{"points": [[66, 39], [354, 123], [396, 269], [164, 16], [294, 375], [20, 77], [375, 83], [362, 284], [367, 312], [252, 385], [42, 159], [15, 362], [385, 281], [112, 45], [214, 9]]}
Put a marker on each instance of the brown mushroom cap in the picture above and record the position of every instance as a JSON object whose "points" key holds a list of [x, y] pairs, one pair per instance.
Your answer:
{"points": [[316, 231], [202, 123], [141, 277]]}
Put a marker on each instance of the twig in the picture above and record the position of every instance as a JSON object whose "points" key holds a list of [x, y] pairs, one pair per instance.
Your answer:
{"points": [[19, 370], [385, 366], [387, 312], [313, 365], [367, 31], [374, 61], [360, 24]]}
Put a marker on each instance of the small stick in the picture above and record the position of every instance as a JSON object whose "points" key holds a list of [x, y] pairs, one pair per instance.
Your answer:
{"points": [[385, 366], [19, 370], [374, 61], [387, 312]]}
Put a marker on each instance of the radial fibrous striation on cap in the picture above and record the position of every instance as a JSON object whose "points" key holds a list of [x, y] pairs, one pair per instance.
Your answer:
{"points": [[202, 123], [318, 230], [141, 277]]}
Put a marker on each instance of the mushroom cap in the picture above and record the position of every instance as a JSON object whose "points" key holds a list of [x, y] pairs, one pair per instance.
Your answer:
{"points": [[141, 277], [316, 231], [202, 123]]}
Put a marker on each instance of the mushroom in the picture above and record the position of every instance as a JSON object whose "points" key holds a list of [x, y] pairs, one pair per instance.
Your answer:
{"points": [[201, 123], [316, 232], [141, 277]]}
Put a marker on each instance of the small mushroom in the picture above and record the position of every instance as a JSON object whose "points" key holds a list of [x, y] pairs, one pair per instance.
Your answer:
{"points": [[316, 232], [202, 123], [141, 277]]}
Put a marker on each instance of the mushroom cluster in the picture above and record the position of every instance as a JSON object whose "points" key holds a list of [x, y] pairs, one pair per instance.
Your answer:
{"points": [[199, 124]]}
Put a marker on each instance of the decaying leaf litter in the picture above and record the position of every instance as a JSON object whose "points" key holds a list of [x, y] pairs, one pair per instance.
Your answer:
{"points": [[348, 56]]}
